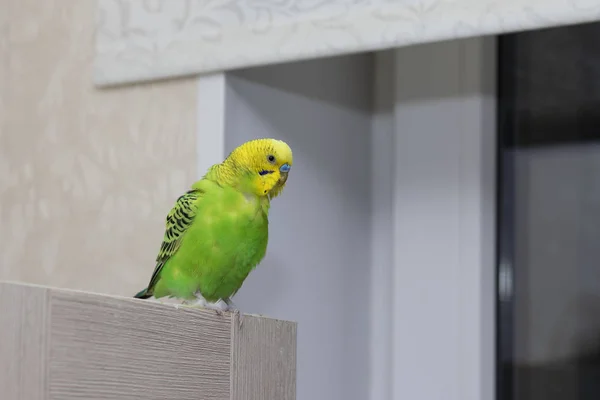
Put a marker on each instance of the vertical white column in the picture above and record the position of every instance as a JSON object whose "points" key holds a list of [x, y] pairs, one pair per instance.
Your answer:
{"points": [[382, 226], [444, 221], [210, 128]]}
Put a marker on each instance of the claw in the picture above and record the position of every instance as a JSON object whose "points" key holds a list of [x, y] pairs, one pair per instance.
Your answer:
{"points": [[200, 302], [236, 312], [240, 318], [215, 307]]}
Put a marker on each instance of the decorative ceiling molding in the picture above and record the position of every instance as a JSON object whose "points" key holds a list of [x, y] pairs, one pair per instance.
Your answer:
{"points": [[140, 40]]}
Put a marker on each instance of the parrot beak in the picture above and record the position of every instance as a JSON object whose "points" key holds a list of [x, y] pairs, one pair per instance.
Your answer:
{"points": [[283, 173], [283, 178]]}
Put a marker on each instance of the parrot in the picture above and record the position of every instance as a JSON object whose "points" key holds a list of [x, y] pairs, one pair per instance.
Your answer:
{"points": [[217, 231]]}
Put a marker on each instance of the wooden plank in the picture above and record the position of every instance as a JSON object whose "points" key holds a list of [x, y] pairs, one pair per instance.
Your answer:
{"points": [[60, 344], [263, 361], [22, 342], [115, 348]]}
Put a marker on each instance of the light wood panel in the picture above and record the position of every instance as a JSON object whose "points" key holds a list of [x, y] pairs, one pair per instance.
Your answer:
{"points": [[263, 359], [60, 344], [23, 323]]}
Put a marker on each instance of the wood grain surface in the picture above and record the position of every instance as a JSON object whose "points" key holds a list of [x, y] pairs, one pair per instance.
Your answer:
{"points": [[263, 364], [59, 344], [136, 349], [23, 324]]}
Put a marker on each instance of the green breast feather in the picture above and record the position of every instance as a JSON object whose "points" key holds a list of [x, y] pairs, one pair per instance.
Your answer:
{"points": [[214, 237]]}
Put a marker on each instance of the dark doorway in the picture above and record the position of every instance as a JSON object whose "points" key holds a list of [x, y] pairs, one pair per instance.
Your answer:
{"points": [[549, 215]]}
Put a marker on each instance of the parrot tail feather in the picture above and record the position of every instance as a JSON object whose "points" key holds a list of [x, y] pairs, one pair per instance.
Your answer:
{"points": [[143, 294]]}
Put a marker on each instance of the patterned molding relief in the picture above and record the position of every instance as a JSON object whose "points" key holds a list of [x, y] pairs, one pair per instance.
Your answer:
{"points": [[141, 40]]}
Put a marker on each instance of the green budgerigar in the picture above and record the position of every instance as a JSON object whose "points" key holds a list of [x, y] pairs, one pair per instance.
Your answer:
{"points": [[217, 232]]}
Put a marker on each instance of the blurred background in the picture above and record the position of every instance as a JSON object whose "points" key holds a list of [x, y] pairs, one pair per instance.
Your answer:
{"points": [[549, 269]]}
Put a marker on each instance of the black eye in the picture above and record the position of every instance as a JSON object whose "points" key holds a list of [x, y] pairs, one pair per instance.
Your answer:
{"points": [[271, 158]]}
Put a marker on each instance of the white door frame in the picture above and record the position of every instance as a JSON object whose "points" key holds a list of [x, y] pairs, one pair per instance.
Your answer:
{"points": [[433, 327]]}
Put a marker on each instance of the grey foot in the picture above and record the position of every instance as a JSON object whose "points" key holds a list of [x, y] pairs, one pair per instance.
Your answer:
{"points": [[198, 302], [236, 312], [216, 307], [230, 305]]}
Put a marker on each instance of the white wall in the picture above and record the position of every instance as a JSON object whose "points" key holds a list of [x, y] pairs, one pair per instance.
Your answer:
{"points": [[444, 228], [317, 269]]}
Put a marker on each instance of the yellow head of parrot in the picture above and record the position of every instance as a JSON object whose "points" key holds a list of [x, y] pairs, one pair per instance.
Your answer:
{"points": [[268, 161]]}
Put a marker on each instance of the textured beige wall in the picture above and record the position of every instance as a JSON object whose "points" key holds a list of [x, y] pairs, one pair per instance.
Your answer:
{"points": [[86, 176]]}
